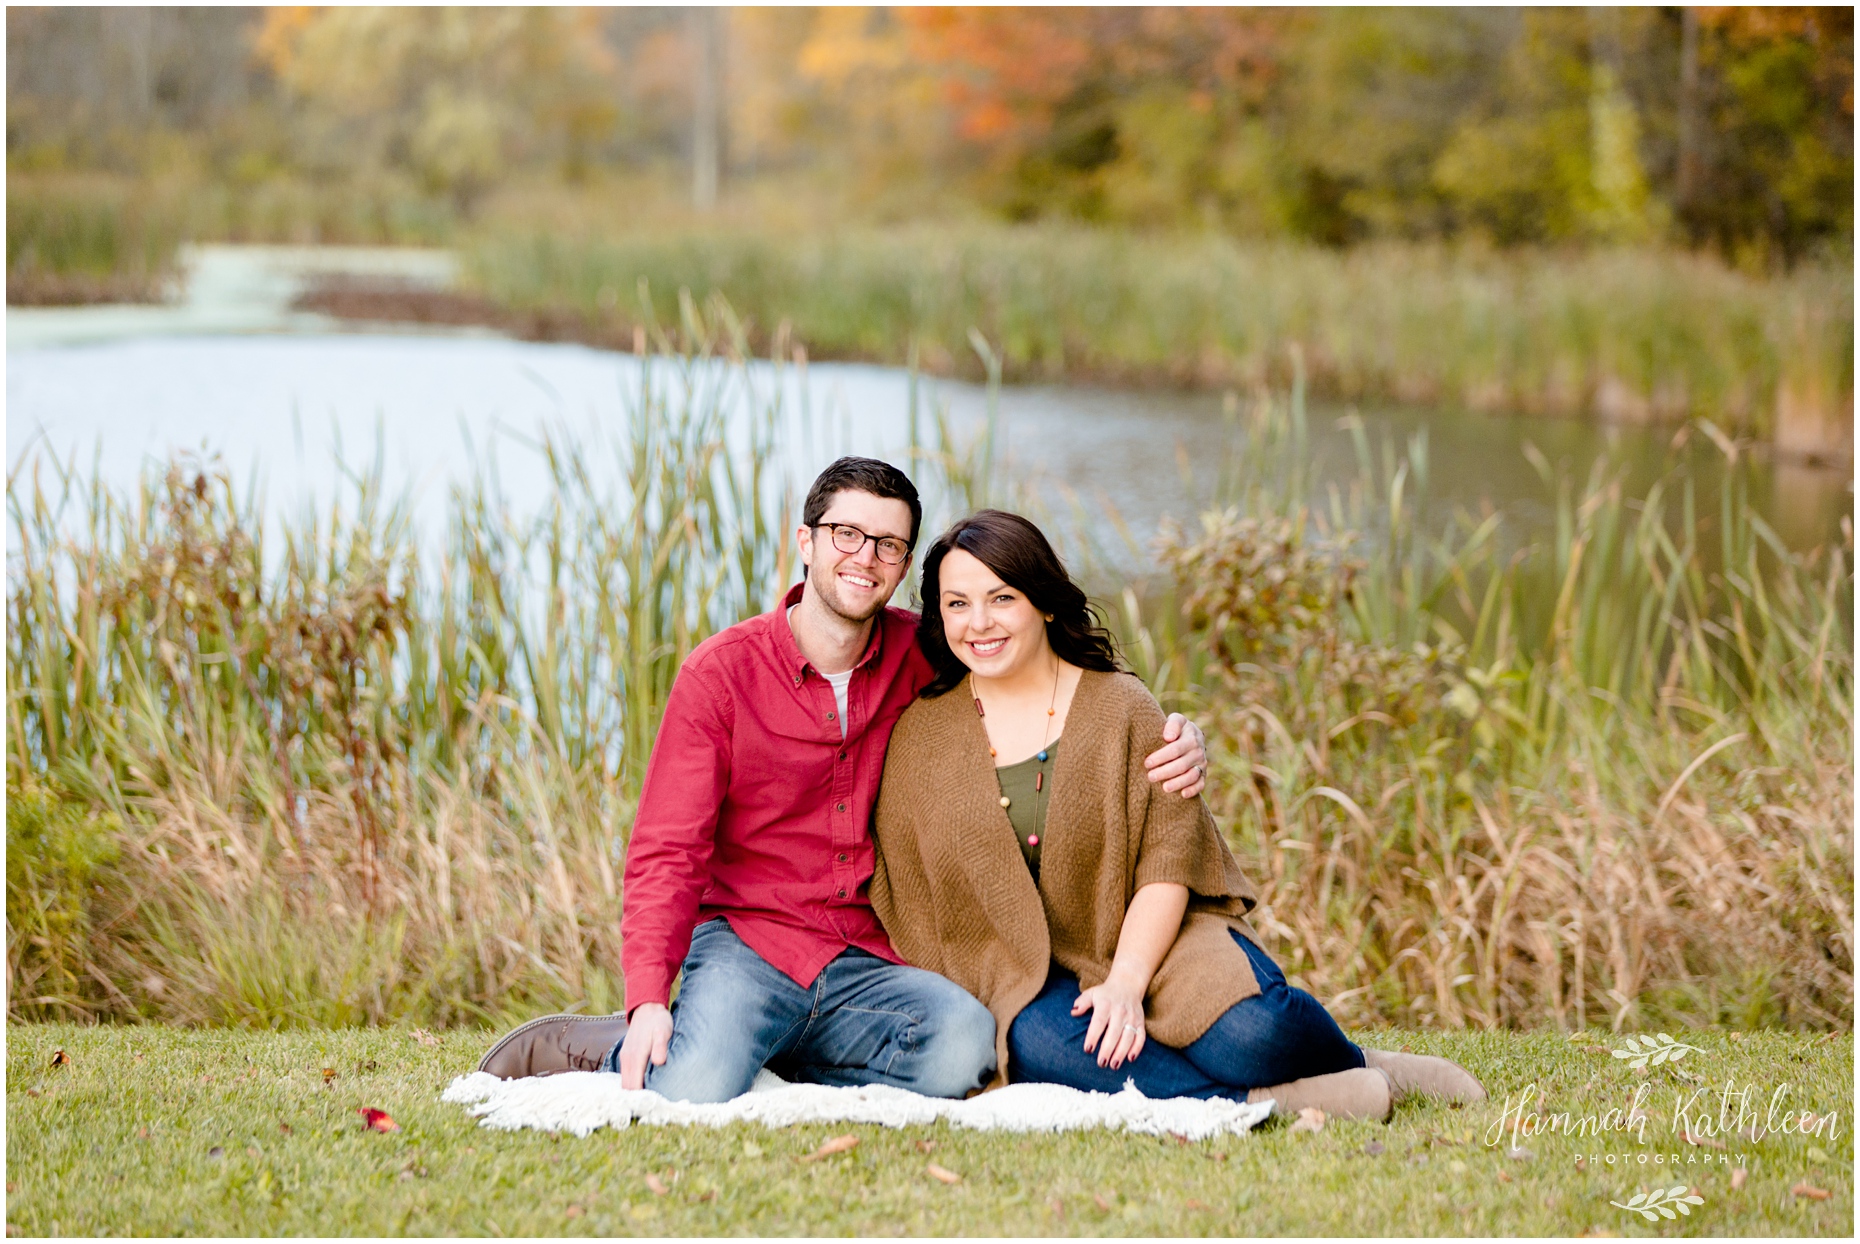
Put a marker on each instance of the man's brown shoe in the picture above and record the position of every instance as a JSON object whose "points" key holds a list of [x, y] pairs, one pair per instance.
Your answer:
{"points": [[1427, 1075], [555, 1043], [1360, 1093]]}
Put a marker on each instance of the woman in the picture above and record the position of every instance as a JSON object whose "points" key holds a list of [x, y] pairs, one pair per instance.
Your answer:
{"points": [[1023, 855]]}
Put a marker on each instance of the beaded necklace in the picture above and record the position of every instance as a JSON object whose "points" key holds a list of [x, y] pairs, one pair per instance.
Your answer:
{"points": [[1039, 777]]}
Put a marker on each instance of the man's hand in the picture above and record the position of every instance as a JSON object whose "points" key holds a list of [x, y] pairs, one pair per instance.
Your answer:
{"points": [[648, 1035], [1181, 764]]}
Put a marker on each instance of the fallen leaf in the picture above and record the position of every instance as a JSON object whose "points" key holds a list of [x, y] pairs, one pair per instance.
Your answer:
{"points": [[1375, 1148], [657, 1185], [60, 1058], [573, 1211], [329, 1076], [1810, 1191], [1504, 1177], [1178, 1138], [1833, 1036], [142, 1133], [839, 1144], [11, 1187], [1310, 1119], [363, 1068], [32, 1092], [377, 1120], [1599, 1233], [1738, 1177], [216, 1153], [1582, 1164], [206, 1079], [1737, 1036], [1215, 1157], [284, 1129], [1101, 1203], [139, 1058], [1519, 1155], [943, 1173], [424, 1037], [1058, 1207], [1193, 1204], [925, 1146], [1705, 1141], [709, 1194]]}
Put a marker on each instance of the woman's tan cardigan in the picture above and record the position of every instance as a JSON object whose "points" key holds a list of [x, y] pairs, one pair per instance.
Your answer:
{"points": [[957, 898]]}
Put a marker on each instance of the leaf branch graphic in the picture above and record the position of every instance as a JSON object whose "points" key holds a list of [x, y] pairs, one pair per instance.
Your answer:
{"points": [[1661, 1202], [1644, 1050]]}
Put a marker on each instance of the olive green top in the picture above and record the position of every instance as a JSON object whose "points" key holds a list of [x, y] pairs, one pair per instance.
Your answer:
{"points": [[1026, 806]]}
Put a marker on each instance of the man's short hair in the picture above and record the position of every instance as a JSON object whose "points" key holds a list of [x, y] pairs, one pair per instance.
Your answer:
{"points": [[881, 479]]}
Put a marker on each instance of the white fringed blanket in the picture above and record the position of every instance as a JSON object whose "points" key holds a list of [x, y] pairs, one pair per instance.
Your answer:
{"points": [[582, 1101]]}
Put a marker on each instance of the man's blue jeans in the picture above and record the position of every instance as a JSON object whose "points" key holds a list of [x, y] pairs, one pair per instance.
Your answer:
{"points": [[863, 1021], [1279, 1035]]}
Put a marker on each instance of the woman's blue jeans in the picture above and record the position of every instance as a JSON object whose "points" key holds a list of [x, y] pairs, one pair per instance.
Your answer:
{"points": [[1279, 1035]]}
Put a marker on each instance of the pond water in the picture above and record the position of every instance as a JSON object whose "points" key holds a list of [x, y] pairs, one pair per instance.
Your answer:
{"points": [[288, 400]]}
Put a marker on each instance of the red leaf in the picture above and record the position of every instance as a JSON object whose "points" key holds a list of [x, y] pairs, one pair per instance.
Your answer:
{"points": [[657, 1185], [1810, 1191], [60, 1058], [377, 1120]]}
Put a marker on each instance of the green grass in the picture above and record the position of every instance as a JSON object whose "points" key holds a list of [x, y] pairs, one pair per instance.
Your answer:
{"points": [[122, 1140]]}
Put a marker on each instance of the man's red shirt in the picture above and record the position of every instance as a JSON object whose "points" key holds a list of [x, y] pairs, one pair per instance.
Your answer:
{"points": [[753, 807]]}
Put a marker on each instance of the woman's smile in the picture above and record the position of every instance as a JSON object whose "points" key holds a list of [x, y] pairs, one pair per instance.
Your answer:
{"points": [[987, 647]]}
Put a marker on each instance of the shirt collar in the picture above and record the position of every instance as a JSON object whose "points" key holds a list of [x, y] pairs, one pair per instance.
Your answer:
{"points": [[791, 651]]}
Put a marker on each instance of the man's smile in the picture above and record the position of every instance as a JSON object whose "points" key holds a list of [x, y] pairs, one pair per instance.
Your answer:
{"points": [[855, 579]]}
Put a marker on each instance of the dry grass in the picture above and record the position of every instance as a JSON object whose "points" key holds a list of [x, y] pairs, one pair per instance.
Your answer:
{"points": [[1603, 781]]}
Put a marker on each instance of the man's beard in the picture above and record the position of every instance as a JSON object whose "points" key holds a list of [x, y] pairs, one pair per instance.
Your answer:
{"points": [[827, 587]]}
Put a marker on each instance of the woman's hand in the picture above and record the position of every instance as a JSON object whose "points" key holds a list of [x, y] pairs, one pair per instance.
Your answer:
{"points": [[1116, 1016]]}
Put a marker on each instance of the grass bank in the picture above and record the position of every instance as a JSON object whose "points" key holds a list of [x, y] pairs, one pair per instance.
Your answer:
{"points": [[1623, 334], [155, 1131], [313, 778]]}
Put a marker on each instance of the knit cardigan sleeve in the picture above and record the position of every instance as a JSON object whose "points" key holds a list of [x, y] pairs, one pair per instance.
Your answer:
{"points": [[1176, 839]]}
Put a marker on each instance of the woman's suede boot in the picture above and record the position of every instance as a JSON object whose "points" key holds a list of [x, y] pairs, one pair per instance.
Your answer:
{"points": [[1427, 1075], [1360, 1093]]}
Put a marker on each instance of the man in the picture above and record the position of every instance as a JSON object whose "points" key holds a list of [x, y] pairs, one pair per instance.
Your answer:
{"points": [[751, 846]]}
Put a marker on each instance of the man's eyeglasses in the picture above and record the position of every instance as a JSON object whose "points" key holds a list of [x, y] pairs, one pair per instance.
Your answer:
{"points": [[849, 539]]}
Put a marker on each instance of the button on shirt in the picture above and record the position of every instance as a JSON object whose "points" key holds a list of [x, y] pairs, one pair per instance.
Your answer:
{"points": [[755, 808]]}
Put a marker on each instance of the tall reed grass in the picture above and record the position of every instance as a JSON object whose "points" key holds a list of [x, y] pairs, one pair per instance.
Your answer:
{"points": [[1605, 779], [1627, 334]]}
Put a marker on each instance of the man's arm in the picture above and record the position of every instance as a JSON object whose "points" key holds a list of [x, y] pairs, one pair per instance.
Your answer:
{"points": [[674, 833], [1181, 763], [668, 861]]}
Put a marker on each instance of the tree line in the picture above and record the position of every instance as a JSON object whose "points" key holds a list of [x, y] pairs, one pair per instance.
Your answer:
{"points": [[1725, 128]]}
